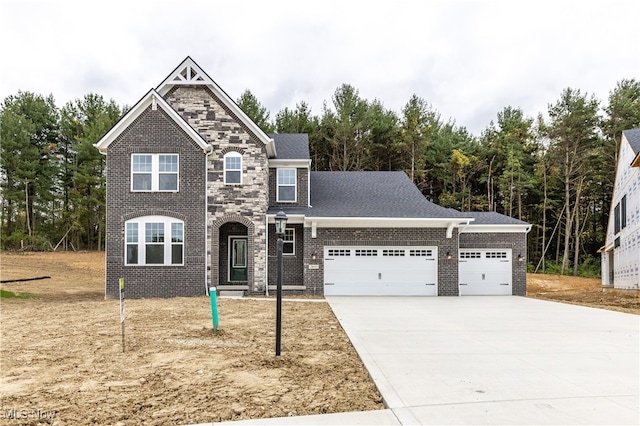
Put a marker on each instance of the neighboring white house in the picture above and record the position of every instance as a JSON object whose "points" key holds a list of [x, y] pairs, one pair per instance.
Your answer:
{"points": [[621, 253]]}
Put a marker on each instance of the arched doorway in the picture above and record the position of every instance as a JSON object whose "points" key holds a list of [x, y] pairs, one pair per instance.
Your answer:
{"points": [[234, 254]]}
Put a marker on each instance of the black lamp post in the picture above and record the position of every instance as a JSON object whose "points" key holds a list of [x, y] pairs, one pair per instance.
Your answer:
{"points": [[281, 223]]}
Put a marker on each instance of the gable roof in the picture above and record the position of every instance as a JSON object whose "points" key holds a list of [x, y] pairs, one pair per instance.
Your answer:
{"points": [[154, 100], [371, 194], [291, 146], [633, 137], [188, 73]]}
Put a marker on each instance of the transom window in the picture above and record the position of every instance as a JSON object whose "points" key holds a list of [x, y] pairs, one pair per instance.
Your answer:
{"points": [[286, 191], [154, 240], [289, 242], [233, 168], [154, 172]]}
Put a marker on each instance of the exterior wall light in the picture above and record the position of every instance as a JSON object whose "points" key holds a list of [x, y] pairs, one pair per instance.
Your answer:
{"points": [[314, 255], [449, 255], [281, 223], [520, 258]]}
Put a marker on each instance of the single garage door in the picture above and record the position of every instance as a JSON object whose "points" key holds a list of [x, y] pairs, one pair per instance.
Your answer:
{"points": [[485, 272], [380, 271]]}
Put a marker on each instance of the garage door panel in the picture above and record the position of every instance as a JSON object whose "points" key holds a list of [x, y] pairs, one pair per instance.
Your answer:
{"points": [[485, 272], [380, 271]]}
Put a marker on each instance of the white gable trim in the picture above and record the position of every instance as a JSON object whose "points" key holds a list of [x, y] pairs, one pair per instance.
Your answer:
{"points": [[153, 99], [188, 73]]}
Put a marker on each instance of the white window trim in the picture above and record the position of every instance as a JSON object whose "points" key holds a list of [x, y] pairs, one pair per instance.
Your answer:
{"points": [[292, 241], [224, 167], [294, 185], [141, 243], [155, 173]]}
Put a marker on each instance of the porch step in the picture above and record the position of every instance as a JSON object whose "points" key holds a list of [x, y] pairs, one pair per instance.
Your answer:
{"points": [[232, 294]]}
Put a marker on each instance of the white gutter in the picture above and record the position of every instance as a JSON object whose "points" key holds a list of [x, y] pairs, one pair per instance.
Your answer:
{"points": [[266, 267], [460, 230], [208, 150], [385, 222]]}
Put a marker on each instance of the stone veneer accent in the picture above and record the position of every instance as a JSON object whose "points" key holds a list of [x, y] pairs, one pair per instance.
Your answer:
{"points": [[246, 203], [155, 132], [517, 242]]}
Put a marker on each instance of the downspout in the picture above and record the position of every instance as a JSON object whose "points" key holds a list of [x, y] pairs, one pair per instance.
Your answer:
{"points": [[207, 259], [104, 152], [266, 259], [460, 229]]}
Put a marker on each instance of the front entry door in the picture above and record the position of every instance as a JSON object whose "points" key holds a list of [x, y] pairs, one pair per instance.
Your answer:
{"points": [[238, 259]]}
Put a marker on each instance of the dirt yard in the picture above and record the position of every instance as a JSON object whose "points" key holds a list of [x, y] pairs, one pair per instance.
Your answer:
{"points": [[62, 361], [581, 291]]}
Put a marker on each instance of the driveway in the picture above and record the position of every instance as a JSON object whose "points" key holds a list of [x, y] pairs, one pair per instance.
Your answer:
{"points": [[496, 360]]}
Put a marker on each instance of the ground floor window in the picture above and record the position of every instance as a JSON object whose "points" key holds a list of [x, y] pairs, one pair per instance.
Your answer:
{"points": [[154, 240], [289, 242]]}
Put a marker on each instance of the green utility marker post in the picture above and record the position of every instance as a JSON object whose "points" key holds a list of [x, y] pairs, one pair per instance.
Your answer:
{"points": [[121, 292], [214, 308]]}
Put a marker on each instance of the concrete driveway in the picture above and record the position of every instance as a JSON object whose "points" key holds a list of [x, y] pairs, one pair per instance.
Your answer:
{"points": [[496, 360]]}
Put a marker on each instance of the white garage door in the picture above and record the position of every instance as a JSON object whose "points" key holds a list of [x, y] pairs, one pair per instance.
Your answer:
{"points": [[378, 271], [484, 271]]}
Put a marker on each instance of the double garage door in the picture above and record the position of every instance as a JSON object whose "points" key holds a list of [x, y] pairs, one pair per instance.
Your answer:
{"points": [[412, 271], [381, 271]]}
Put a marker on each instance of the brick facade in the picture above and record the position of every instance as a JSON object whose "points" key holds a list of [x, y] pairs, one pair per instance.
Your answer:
{"points": [[213, 212], [155, 132]]}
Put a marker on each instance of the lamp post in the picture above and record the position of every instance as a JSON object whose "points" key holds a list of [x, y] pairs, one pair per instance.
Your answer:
{"points": [[281, 223]]}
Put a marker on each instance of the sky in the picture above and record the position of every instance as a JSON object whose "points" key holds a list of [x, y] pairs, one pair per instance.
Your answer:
{"points": [[468, 59]]}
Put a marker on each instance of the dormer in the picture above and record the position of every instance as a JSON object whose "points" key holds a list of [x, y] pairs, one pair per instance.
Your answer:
{"points": [[289, 171]]}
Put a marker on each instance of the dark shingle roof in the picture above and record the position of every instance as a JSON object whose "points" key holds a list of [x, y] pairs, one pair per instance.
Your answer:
{"points": [[371, 194], [633, 136], [291, 146], [492, 218]]}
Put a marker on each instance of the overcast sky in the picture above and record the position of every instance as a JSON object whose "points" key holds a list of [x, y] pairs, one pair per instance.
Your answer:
{"points": [[469, 59]]}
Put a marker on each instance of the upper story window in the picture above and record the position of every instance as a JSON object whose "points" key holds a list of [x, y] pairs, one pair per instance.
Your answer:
{"points": [[154, 172], [289, 242], [154, 240], [620, 215], [233, 168], [286, 191]]}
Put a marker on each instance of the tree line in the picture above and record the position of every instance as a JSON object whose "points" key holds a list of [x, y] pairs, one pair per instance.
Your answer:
{"points": [[555, 170]]}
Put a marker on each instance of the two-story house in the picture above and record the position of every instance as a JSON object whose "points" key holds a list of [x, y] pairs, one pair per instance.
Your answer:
{"points": [[621, 252], [193, 186]]}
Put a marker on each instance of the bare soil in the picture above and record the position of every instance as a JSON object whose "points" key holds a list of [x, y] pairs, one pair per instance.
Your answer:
{"points": [[61, 354], [582, 291]]}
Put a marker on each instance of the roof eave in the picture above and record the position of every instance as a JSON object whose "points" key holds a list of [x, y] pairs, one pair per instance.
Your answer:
{"points": [[497, 228], [385, 222], [284, 162]]}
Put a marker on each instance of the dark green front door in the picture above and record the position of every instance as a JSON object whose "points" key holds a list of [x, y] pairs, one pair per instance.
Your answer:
{"points": [[238, 259]]}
